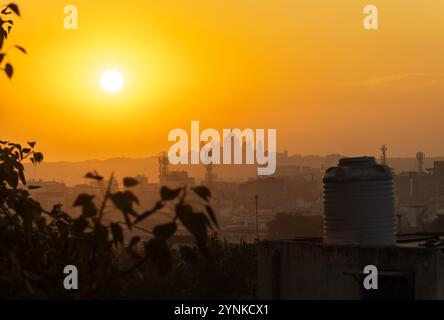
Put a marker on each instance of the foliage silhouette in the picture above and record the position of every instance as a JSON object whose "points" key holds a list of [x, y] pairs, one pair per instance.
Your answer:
{"points": [[36, 244], [6, 25], [232, 276]]}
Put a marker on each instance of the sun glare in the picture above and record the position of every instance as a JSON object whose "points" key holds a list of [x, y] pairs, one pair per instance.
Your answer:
{"points": [[112, 81]]}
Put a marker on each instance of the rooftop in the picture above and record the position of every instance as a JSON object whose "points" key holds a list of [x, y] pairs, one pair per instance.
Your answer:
{"points": [[412, 240]]}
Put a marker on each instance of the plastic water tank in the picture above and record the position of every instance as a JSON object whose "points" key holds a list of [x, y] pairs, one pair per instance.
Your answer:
{"points": [[359, 204]]}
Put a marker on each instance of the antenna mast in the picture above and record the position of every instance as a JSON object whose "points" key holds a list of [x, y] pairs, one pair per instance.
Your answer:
{"points": [[163, 164], [384, 154]]}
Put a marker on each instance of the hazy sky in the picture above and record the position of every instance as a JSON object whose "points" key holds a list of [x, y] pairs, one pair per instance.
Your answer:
{"points": [[307, 68]]}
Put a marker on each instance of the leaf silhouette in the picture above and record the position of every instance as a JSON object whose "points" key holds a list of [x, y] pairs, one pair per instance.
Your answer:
{"points": [[86, 202], [9, 70], [82, 199], [21, 49], [196, 223], [2, 37], [165, 230], [202, 192], [94, 175], [159, 205], [117, 232], [212, 215], [124, 202], [14, 8], [130, 182], [169, 194], [38, 157]]}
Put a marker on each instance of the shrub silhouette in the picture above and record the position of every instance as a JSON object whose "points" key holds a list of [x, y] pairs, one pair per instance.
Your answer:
{"points": [[36, 244], [232, 276]]}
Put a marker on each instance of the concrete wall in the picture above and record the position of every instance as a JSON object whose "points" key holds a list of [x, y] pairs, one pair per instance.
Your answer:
{"points": [[310, 270]]}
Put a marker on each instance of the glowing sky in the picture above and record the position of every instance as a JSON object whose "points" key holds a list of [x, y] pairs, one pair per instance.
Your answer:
{"points": [[307, 68]]}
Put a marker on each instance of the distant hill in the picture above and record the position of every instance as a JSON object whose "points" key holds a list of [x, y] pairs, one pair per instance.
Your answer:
{"points": [[72, 172]]}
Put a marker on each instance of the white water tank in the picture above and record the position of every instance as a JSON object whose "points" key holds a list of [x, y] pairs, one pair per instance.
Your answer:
{"points": [[359, 204]]}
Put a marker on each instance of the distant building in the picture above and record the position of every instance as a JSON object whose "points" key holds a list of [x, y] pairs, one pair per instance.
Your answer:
{"points": [[176, 179], [282, 194], [287, 171], [419, 194], [49, 193]]}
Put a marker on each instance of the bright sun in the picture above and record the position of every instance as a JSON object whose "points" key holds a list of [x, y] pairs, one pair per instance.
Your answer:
{"points": [[112, 81]]}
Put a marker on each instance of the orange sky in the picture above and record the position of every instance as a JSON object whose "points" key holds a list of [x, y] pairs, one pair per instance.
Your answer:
{"points": [[307, 68]]}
